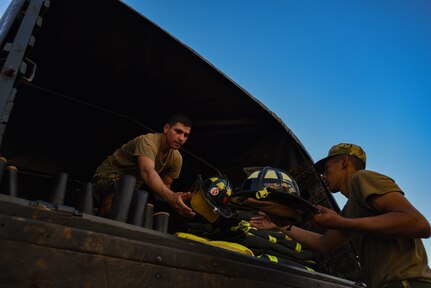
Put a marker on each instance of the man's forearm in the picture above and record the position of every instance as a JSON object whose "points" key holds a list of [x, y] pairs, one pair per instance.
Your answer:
{"points": [[306, 238], [322, 243], [155, 183]]}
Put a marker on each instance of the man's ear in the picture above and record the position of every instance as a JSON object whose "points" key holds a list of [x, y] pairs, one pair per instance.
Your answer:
{"points": [[166, 128], [344, 161]]}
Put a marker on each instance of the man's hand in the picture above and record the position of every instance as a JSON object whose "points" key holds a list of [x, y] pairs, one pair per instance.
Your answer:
{"points": [[314, 241], [177, 203], [262, 221], [280, 214], [327, 218], [161, 187]]}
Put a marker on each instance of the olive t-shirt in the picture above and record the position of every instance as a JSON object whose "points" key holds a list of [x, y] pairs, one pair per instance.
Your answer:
{"points": [[124, 161], [382, 260]]}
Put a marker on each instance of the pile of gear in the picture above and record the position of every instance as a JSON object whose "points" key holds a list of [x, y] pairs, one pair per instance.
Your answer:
{"points": [[227, 211]]}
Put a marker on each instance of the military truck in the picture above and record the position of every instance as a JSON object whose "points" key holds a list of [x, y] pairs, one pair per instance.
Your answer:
{"points": [[78, 79]]}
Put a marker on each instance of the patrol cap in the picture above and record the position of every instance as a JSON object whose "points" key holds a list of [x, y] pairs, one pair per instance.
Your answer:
{"points": [[341, 149]]}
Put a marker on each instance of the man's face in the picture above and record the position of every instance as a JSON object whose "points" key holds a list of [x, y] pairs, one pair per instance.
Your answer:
{"points": [[332, 174], [176, 135]]}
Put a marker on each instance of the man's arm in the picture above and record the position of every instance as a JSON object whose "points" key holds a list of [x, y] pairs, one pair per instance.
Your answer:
{"points": [[167, 180], [155, 183], [322, 243], [398, 218]]}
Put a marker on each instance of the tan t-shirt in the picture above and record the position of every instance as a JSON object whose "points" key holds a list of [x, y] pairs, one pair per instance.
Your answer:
{"points": [[383, 260], [124, 160]]}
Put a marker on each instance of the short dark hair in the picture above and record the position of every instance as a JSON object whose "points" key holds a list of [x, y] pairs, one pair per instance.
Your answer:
{"points": [[179, 118]]}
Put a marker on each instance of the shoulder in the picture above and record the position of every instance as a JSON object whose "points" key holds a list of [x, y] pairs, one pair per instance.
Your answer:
{"points": [[149, 138], [363, 175], [146, 145], [374, 182]]}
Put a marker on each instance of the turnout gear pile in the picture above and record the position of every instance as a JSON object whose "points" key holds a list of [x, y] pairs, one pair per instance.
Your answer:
{"points": [[228, 225]]}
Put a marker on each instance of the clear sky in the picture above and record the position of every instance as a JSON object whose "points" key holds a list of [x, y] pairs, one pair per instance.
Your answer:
{"points": [[334, 71]]}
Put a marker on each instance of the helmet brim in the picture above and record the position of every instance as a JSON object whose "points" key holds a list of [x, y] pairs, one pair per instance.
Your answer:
{"points": [[275, 195], [225, 211]]}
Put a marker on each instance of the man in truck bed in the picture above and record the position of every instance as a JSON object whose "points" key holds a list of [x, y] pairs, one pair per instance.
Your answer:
{"points": [[154, 160]]}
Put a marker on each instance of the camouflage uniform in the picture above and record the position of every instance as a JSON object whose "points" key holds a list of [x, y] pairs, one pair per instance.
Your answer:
{"points": [[102, 182]]}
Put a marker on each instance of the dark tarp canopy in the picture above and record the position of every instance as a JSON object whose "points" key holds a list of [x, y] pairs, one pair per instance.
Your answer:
{"points": [[109, 72]]}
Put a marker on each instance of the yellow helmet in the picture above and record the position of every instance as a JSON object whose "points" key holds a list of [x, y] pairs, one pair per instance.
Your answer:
{"points": [[211, 197]]}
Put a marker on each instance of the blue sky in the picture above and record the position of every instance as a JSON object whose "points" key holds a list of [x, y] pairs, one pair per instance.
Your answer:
{"points": [[334, 71]]}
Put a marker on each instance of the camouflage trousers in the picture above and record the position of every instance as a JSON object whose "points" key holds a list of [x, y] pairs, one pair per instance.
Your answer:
{"points": [[103, 183]]}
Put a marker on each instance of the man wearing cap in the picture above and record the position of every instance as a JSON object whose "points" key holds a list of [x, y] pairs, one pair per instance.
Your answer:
{"points": [[382, 225]]}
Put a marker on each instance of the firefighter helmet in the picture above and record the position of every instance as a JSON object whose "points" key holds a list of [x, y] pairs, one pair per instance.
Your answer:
{"points": [[274, 178], [272, 184], [211, 197]]}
